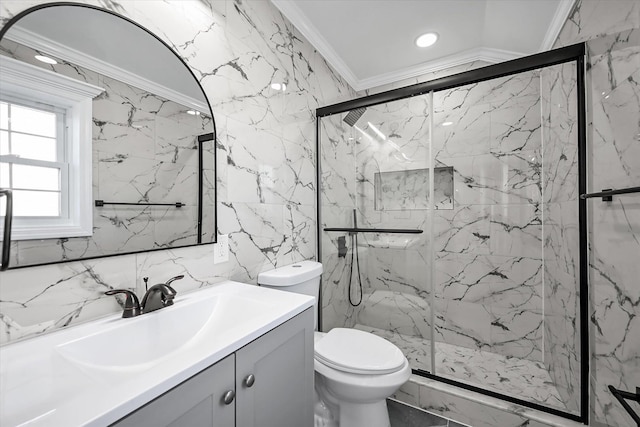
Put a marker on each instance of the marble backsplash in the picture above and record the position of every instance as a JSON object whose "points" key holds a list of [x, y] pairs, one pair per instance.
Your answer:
{"points": [[265, 164]]}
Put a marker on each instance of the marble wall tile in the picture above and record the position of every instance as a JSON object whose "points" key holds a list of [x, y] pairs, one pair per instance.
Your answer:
{"points": [[464, 324], [560, 139], [464, 229], [517, 332], [516, 230], [489, 279], [494, 92], [396, 269], [612, 31], [53, 296], [401, 312], [591, 19], [470, 131], [495, 178], [336, 310], [560, 237]]}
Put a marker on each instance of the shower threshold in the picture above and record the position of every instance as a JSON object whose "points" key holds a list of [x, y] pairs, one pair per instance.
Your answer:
{"points": [[521, 378]]}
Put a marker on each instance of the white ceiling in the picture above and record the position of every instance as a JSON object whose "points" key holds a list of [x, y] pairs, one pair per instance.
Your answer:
{"points": [[371, 42]]}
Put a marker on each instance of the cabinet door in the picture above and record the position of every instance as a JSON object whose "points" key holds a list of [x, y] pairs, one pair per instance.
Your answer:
{"points": [[197, 402], [281, 362]]}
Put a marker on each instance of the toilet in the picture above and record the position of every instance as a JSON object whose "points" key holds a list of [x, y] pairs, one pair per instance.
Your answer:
{"points": [[355, 371]]}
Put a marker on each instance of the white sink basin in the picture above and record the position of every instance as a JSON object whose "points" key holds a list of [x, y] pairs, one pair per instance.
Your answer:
{"points": [[141, 342], [94, 374]]}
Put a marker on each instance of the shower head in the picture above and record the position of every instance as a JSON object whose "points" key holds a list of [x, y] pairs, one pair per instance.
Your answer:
{"points": [[354, 115]]}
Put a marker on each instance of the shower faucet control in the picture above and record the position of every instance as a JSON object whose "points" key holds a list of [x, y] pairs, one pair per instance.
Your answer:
{"points": [[342, 247]]}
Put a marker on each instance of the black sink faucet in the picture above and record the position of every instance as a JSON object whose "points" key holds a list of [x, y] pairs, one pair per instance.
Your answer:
{"points": [[157, 297], [131, 304]]}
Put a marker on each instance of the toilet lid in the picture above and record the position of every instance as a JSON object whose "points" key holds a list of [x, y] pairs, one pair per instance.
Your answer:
{"points": [[358, 352]]}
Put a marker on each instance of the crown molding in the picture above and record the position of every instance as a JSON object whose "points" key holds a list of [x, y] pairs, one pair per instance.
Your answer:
{"points": [[479, 54], [38, 80], [559, 18], [35, 41], [293, 13]]}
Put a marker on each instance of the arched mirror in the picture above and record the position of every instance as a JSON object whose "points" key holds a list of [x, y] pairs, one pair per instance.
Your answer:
{"points": [[107, 138]]}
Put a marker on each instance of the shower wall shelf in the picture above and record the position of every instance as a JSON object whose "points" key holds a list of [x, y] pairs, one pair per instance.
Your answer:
{"points": [[100, 203], [374, 230], [608, 193]]}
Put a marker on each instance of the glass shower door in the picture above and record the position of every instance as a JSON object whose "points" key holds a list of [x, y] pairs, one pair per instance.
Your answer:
{"points": [[487, 295], [506, 256], [375, 175]]}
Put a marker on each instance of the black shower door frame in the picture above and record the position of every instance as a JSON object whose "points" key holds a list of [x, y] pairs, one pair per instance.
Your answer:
{"points": [[573, 53]]}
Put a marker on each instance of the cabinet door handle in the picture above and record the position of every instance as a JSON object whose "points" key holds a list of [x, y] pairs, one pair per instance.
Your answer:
{"points": [[249, 380], [228, 397]]}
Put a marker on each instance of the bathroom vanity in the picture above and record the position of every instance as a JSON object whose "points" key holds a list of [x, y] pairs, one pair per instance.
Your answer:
{"points": [[230, 355]]}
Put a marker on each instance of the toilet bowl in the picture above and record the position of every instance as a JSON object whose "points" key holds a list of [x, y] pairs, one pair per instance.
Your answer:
{"points": [[355, 370]]}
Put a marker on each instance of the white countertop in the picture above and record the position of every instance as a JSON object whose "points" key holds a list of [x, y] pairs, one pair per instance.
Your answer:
{"points": [[44, 381]]}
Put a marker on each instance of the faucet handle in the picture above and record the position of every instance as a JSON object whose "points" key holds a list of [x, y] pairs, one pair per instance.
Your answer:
{"points": [[131, 304], [173, 279]]}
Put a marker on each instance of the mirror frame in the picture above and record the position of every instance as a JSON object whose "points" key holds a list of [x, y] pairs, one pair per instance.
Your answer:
{"points": [[200, 139]]}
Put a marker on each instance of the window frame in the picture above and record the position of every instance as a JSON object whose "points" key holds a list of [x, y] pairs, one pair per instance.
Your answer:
{"points": [[33, 84]]}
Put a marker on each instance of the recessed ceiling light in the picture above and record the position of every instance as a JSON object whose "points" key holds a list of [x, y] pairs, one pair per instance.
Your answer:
{"points": [[427, 39], [46, 59], [279, 86], [447, 123], [193, 112]]}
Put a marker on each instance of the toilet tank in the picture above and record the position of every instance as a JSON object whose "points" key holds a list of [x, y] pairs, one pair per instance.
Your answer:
{"points": [[301, 278]]}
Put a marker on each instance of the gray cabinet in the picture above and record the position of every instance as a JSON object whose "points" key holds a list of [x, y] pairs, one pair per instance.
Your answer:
{"points": [[274, 381], [271, 379], [197, 402]]}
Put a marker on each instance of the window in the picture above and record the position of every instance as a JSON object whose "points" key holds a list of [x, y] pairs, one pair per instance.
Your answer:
{"points": [[45, 151], [33, 158]]}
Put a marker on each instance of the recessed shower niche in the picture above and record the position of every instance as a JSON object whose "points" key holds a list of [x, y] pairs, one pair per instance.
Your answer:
{"points": [[409, 189]]}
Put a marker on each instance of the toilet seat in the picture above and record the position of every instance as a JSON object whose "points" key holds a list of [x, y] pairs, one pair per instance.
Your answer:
{"points": [[358, 352]]}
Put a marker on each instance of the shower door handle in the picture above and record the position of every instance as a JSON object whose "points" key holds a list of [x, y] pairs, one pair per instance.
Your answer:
{"points": [[6, 239]]}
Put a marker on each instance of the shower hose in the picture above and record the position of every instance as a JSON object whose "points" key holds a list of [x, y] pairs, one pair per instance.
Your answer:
{"points": [[354, 249]]}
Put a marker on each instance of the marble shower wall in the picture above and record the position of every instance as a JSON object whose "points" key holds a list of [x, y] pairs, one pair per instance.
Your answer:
{"points": [[488, 257], [395, 267], [560, 231], [392, 267], [337, 201], [266, 161], [612, 32], [144, 150]]}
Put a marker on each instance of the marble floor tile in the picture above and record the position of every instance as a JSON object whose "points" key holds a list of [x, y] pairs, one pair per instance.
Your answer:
{"points": [[520, 378]]}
